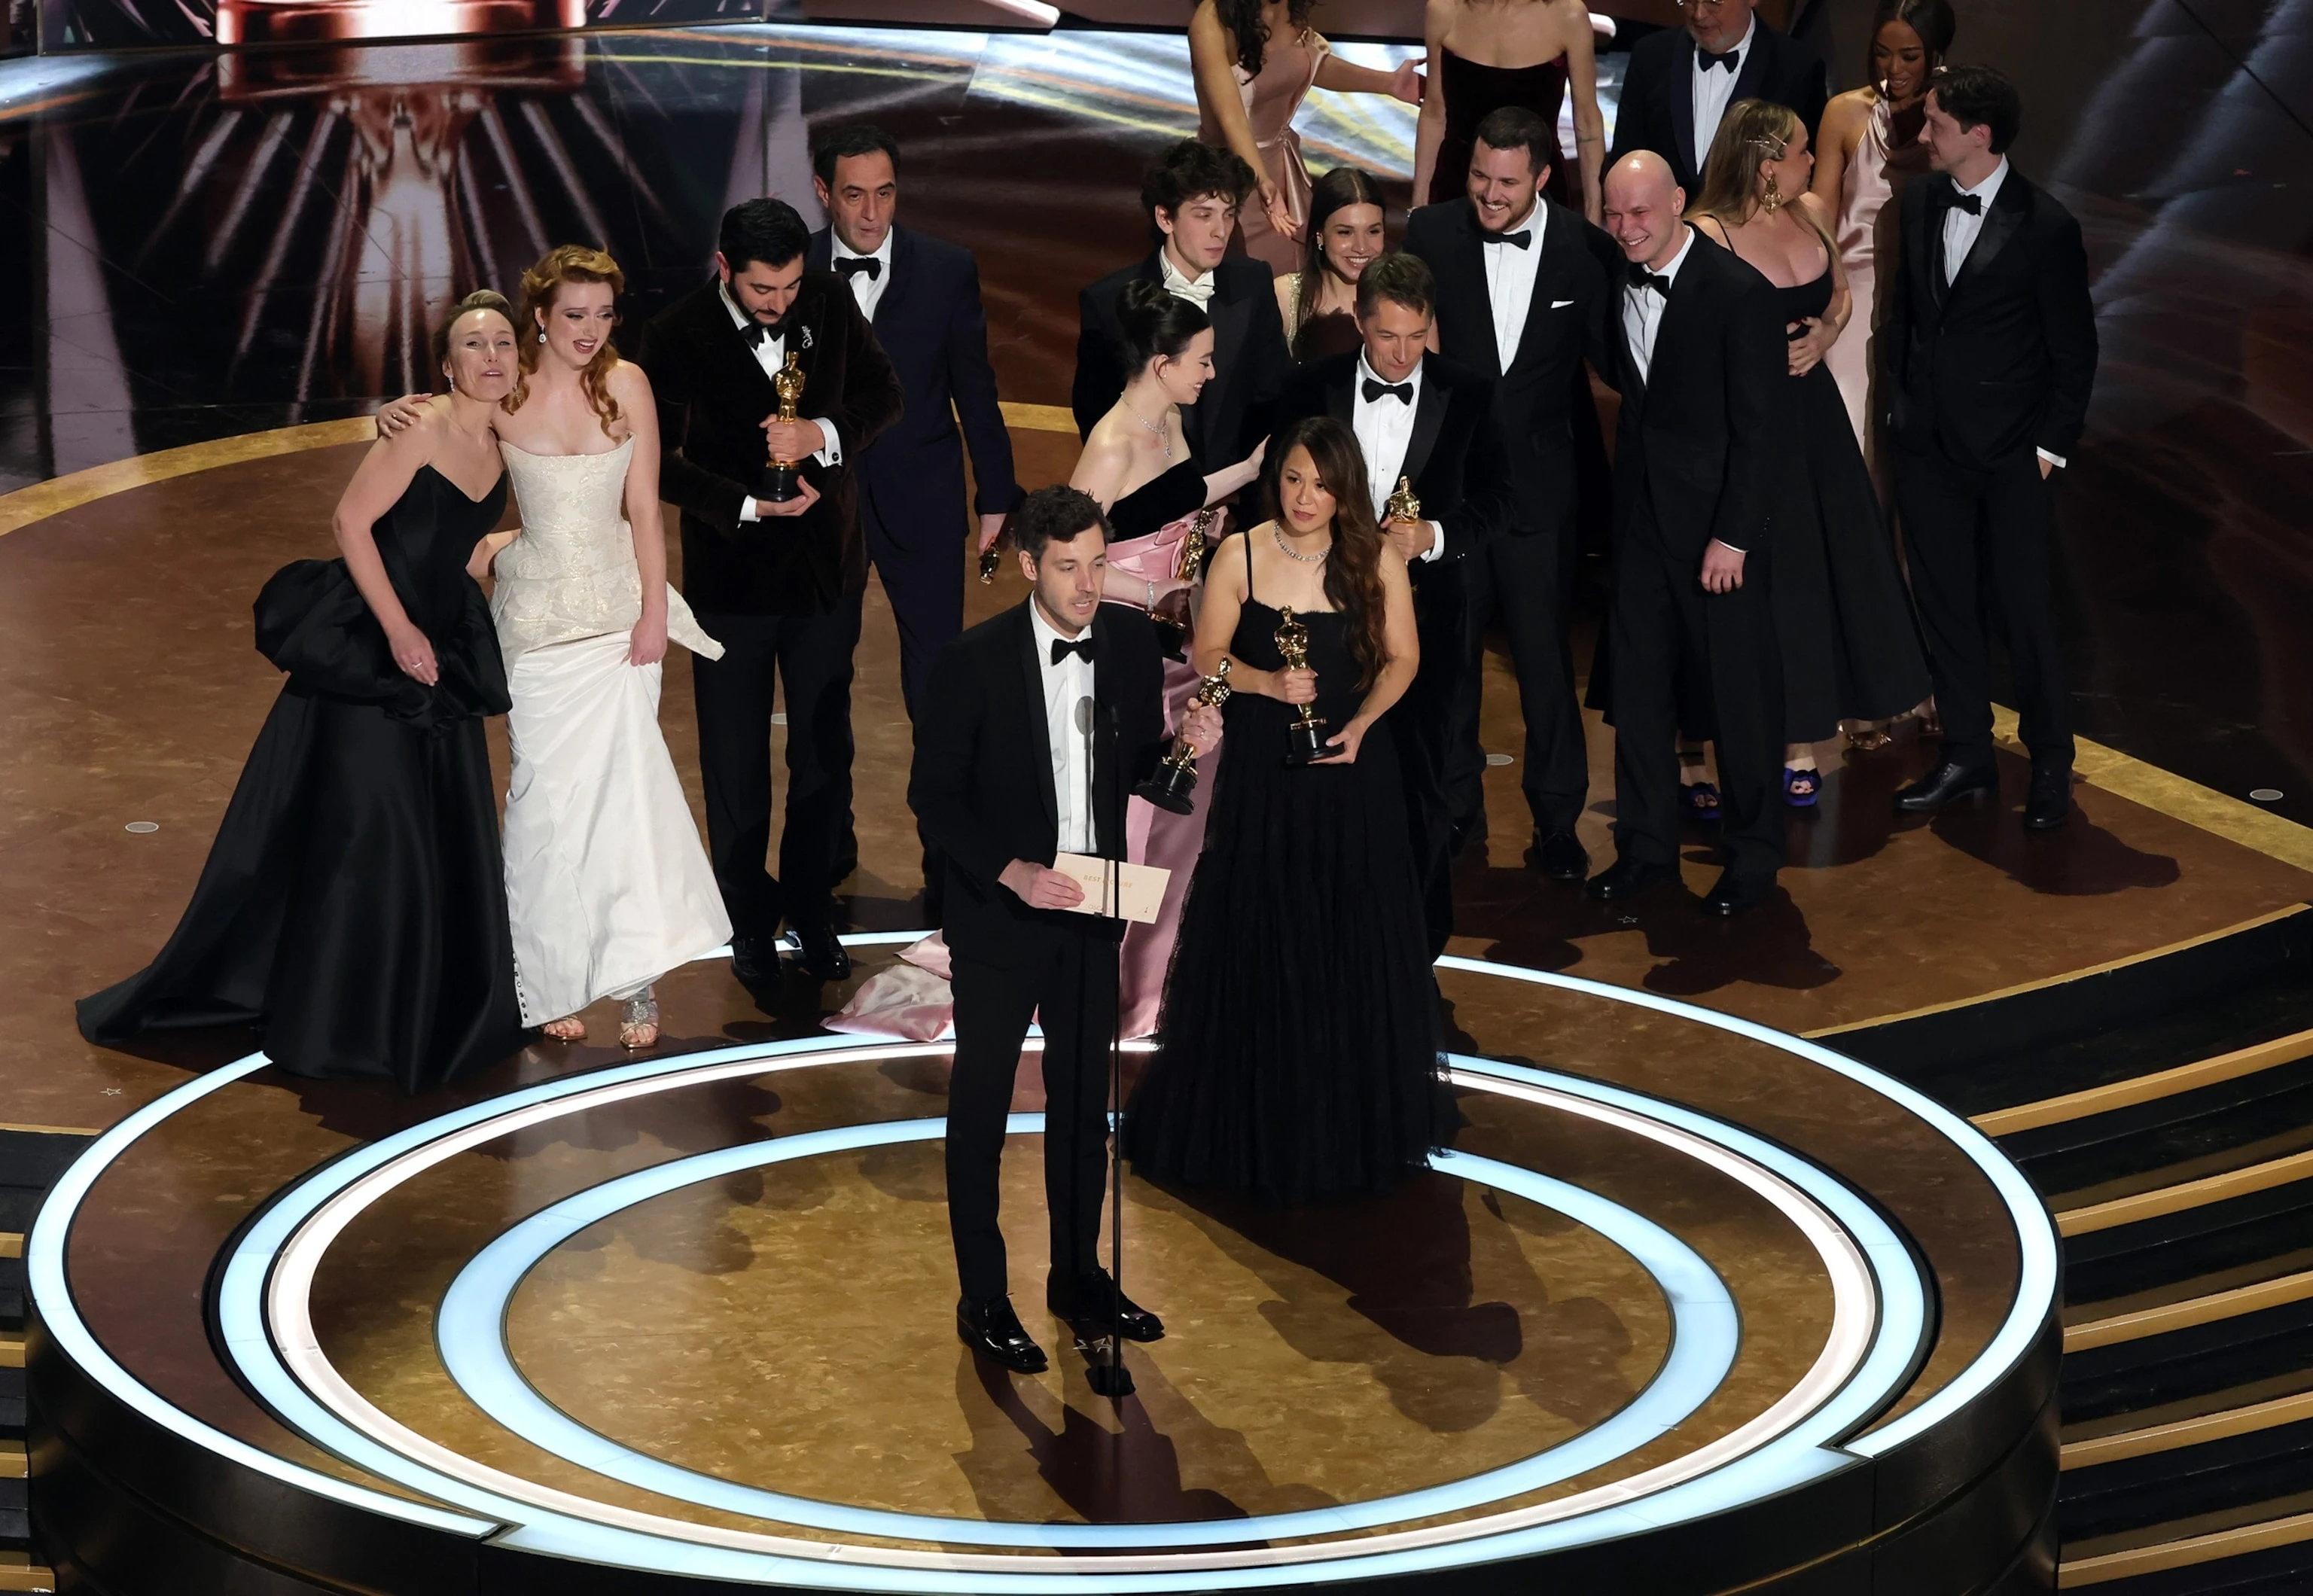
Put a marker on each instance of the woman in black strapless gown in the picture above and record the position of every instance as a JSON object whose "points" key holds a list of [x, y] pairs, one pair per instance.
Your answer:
{"points": [[1555, 36], [353, 907], [1850, 639], [1298, 1052]]}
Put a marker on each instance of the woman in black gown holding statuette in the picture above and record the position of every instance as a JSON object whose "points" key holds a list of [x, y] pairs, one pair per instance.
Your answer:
{"points": [[353, 907], [1297, 1054]]}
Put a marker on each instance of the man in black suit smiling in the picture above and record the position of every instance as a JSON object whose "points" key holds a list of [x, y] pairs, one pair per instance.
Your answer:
{"points": [[1421, 419], [1988, 354], [1523, 297], [922, 296], [1040, 722], [1697, 353], [777, 583], [1682, 80], [1191, 196]]}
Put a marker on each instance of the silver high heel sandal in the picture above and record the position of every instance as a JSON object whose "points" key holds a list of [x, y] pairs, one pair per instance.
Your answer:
{"points": [[638, 1019]]}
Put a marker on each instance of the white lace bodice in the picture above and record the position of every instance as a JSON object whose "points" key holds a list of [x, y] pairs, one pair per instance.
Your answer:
{"points": [[572, 573]]}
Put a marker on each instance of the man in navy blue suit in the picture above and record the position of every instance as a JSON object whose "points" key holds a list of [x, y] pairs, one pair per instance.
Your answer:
{"points": [[922, 297]]}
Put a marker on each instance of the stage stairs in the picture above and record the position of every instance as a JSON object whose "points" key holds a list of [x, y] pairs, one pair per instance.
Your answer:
{"points": [[2164, 1108]]}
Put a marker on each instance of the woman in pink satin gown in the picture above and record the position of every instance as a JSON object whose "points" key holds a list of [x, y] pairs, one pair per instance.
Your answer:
{"points": [[1254, 61], [1868, 150], [1164, 512]]}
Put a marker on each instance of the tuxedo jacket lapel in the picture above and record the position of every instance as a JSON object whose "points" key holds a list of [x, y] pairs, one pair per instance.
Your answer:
{"points": [[1681, 90], [1549, 273], [1750, 73], [903, 279], [1923, 249], [1999, 225], [1428, 420], [1104, 746], [1040, 730], [1341, 395], [1231, 319], [1469, 288]]}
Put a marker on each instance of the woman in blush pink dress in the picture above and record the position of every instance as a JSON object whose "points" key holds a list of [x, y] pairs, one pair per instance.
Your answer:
{"points": [[1254, 61]]}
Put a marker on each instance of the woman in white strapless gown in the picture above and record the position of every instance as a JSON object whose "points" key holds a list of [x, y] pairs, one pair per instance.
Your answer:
{"points": [[606, 885]]}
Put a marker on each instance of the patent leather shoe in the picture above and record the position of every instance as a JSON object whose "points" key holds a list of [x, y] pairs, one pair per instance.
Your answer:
{"points": [[1948, 782], [821, 954], [755, 963], [1734, 894], [1626, 878], [1093, 1308], [1561, 857], [993, 1331], [2049, 802]]}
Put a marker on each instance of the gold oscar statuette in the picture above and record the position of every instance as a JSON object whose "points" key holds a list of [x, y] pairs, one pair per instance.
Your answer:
{"points": [[1402, 505], [1172, 785], [1305, 738], [1192, 547], [779, 478]]}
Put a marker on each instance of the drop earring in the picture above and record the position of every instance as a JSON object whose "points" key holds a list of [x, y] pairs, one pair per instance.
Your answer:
{"points": [[1772, 200], [542, 335]]}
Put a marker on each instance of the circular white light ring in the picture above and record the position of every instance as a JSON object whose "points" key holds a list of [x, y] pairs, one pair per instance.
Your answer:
{"points": [[557, 1534], [1891, 1352]]}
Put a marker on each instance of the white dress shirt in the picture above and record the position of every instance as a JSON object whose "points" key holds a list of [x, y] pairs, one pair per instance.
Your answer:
{"points": [[1643, 311], [1960, 231], [1066, 684], [1384, 429], [1509, 281], [1197, 290], [1714, 91], [867, 291], [772, 354]]}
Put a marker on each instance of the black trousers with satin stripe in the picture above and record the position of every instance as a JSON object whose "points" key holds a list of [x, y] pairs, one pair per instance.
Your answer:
{"points": [[1072, 978], [1526, 578], [1981, 547], [1662, 618], [809, 656]]}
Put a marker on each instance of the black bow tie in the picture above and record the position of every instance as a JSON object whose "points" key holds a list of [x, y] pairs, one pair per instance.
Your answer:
{"points": [[1375, 388], [756, 333], [1082, 648], [1642, 279], [1973, 203], [1731, 60], [1522, 238], [851, 264]]}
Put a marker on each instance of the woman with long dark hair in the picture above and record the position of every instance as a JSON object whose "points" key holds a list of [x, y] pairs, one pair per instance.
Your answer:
{"points": [[352, 908], [1297, 1054], [1254, 61], [1851, 644], [1346, 230]]}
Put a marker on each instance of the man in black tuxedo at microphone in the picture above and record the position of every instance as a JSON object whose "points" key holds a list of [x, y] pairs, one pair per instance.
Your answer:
{"points": [[1987, 355], [1419, 417], [1040, 722], [921, 295], [1696, 352], [1191, 196], [1523, 295], [778, 584], [1682, 80]]}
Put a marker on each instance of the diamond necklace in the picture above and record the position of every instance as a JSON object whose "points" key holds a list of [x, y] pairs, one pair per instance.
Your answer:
{"points": [[1290, 553], [1164, 433]]}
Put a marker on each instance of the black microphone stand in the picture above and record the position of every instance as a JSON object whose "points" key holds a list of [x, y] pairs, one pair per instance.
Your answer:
{"points": [[1109, 1378]]}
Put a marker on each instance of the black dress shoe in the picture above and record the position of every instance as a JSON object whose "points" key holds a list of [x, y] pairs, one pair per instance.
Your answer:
{"points": [[1733, 894], [993, 1331], [1948, 782], [1094, 1308], [1561, 857], [822, 956], [1626, 878], [755, 962], [2049, 803]]}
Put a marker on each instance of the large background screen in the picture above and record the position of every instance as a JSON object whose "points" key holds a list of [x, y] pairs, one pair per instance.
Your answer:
{"points": [[121, 24]]}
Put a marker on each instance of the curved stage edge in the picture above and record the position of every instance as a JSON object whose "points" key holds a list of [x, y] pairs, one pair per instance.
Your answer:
{"points": [[1892, 1458]]}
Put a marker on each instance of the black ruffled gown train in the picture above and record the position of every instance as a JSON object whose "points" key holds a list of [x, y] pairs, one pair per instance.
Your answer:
{"points": [[1297, 1054], [353, 907]]}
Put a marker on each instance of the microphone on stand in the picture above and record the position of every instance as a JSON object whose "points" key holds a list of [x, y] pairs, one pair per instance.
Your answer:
{"points": [[1111, 1378]]}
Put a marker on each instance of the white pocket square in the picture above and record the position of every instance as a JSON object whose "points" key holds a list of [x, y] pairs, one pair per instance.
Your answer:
{"points": [[1560, 304]]}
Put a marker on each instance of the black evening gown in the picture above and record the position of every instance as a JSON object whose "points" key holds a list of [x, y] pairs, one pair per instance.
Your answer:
{"points": [[1298, 1052], [353, 907], [1851, 640], [1474, 92]]}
